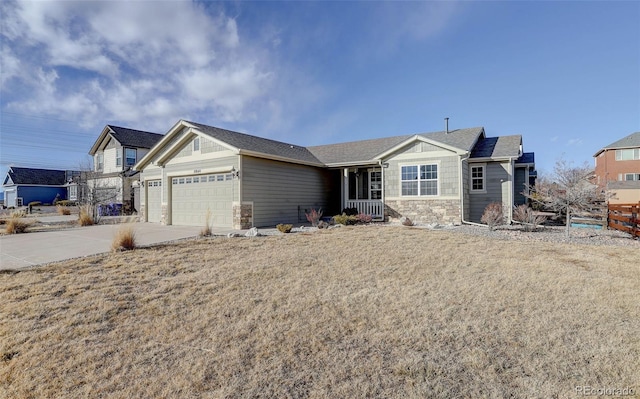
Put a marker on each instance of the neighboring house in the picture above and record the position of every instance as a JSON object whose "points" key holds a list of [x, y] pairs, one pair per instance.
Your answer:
{"points": [[114, 153], [243, 181], [617, 169], [24, 185]]}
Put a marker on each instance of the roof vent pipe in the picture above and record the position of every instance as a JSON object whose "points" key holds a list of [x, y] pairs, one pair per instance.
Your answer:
{"points": [[446, 125]]}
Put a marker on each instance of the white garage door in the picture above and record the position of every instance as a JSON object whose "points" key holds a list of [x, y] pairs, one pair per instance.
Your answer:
{"points": [[154, 196], [10, 197], [193, 196]]}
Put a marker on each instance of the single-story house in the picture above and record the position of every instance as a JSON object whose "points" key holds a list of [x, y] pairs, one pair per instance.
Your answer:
{"points": [[241, 180], [25, 185]]}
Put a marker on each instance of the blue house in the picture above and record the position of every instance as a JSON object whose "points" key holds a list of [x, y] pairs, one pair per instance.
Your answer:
{"points": [[24, 185]]}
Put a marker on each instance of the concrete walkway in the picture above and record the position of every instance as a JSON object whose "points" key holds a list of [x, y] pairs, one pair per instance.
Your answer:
{"points": [[20, 251]]}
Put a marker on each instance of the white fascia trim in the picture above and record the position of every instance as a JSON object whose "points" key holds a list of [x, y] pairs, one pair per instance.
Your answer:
{"points": [[415, 138], [144, 161], [375, 162], [101, 139], [491, 159]]}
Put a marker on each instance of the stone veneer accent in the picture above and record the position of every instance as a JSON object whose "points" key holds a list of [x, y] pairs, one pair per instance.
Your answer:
{"points": [[242, 215], [425, 211], [141, 212]]}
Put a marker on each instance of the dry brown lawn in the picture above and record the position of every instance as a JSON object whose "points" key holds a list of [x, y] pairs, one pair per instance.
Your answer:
{"points": [[345, 313]]}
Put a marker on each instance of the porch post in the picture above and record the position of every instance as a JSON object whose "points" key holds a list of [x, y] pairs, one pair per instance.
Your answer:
{"points": [[345, 187]]}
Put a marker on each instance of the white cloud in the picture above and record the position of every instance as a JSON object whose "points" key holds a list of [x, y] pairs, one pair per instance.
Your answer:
{"points": [[574, 142], [128, 61]]}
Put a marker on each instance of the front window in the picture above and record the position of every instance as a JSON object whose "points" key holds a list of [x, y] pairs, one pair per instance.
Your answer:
{"points": [[196, 144], [628, 154], [477, 178], [73, 192], [118, 158], [130, 156], [419, 180]]}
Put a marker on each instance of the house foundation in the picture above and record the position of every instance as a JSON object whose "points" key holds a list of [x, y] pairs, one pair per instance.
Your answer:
{"points": [[425, 212]]}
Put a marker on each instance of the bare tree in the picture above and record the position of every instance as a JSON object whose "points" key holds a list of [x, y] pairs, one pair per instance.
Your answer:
{"points": [[567, 192], [95, 188]]}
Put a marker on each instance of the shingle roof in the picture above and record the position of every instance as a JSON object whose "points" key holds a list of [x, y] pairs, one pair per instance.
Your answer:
{"points": [[527, 157], [497, 147], [256, 144], [355, 151], [632, 140], [367, 150], [134, 138], [41, 177]]}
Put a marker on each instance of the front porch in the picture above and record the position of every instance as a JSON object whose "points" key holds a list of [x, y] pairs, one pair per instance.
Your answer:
{"points": [[363, 190]]}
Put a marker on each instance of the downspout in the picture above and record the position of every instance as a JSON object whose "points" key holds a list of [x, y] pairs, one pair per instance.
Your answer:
{"points": [[382, 183], [462, 196]]}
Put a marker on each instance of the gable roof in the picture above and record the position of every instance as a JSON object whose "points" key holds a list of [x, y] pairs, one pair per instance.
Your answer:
{"points": [[246, 143], [38, 177], [631, 141], [370, 150], [126, 137], [498, 147]]}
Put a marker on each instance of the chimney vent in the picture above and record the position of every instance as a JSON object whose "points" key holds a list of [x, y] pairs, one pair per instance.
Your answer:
{"points": [[446, 125]]}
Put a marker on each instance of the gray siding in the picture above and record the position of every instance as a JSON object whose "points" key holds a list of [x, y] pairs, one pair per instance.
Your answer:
{"points": [[447, 175], [465, 190], [519, 186], [498, 186], [282, 191]]}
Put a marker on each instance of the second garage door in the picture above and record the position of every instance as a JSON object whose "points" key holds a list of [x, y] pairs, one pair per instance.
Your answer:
{"points": [[154, 195], [193, 196]]}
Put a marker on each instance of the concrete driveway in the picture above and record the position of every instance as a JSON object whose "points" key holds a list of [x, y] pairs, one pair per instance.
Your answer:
{"points": [[20, 251]]}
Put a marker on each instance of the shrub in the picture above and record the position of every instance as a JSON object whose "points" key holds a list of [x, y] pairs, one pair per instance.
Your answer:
{"points": [[16, 226], [125, 239], [63, 210], [284, 228], [314, 216], [345, 219], [85, 217], [18, 214], [528, 217], [350, 211], [34, 203], [364, 218], [493, 215], [66, 203]]}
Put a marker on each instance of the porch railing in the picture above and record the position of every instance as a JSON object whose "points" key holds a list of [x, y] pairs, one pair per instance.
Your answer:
{"points": [[375, 208]]}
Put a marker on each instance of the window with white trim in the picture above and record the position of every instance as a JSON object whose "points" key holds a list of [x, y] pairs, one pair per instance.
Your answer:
{"points": [[196, 144], [118, 157], [629, 154], [478, 176], [130, 155], [99, 162], [419, 180], [632, 176]]}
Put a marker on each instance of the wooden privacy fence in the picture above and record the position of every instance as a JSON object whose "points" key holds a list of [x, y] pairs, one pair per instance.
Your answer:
{"points": [[624, 217]]}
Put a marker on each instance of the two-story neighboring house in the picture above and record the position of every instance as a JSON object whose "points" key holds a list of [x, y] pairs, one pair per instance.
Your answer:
{"points": [[617, 169], [114, 153]]}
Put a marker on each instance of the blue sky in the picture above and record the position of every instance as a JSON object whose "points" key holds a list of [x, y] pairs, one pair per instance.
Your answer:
{"points": [[565, 75]]}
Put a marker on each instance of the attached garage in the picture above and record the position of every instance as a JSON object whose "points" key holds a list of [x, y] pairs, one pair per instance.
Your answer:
{"points": [[154, 197], [193, 196]]}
